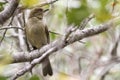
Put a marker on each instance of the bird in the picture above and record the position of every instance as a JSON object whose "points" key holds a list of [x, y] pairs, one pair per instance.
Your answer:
{"points": [[38, 35]]}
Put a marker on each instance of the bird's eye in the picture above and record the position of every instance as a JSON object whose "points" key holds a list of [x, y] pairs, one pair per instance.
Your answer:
{"points": [[40, 10]]}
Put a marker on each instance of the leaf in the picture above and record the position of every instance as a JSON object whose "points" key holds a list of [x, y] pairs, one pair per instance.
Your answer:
{"points": [[29, 3], [34, 77], [52, 36], [88, 44], [76, 15], [3, 78], [102, 13], [63, 76], [1, 5]]}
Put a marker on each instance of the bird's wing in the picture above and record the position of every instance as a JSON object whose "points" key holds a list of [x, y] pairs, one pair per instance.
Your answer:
{"points": [[47, 34]]}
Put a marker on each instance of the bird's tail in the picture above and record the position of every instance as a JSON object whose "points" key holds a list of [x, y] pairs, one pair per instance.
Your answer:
{"points": [[46, 67]]}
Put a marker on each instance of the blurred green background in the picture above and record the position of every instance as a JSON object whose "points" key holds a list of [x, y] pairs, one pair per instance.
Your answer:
{"points": [[77, 60]]}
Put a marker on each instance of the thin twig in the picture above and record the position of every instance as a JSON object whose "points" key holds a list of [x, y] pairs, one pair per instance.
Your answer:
{"points": [[55, 33], [113, 53], [40, 5], [23, 17], [6, 28], [11, 20], [85, 21], [114, 47], [69, 31], [3, 36], [11, 28], [26, 42], [82, 26], [44, 4], [81, 42]]}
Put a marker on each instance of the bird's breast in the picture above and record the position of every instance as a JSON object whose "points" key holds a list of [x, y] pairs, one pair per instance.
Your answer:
{"points": [[36, 34]]}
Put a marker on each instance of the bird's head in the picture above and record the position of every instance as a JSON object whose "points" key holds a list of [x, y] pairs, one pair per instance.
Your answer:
{"points": [[36, 12]]}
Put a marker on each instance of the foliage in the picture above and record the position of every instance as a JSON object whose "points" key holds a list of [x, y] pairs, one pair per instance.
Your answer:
{"points": [[29, 3], [1, 5], [3, 78], [76, 15], [34, 77]]}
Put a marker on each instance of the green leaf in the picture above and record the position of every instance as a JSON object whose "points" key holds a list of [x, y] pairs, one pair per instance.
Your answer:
{"points": [[76, 15], [103, 3], [29, 3], [3, 78], [34, 77], [1, 5], [52, 36], [102, 13], [88, 44]]}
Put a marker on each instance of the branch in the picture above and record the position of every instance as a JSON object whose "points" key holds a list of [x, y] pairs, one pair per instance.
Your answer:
{"points": [[115, 47], [55, 33], [51, 2], [114, 58], [22, 8], [33, 63], [61, 43], [107, 66], [8, 11], [76, 36], [11, 28], [6, 28], [84, 22], [3, 36]]}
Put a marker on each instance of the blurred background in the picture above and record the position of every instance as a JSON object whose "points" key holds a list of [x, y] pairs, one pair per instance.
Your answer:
{"points": [[93, 58]]}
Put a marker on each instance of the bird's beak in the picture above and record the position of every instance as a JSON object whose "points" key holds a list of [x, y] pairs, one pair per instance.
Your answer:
{"points": [[45, 10]]}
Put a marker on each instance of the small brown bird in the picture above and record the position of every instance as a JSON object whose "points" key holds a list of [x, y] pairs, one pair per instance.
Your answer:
{"points": [[37, 34]]}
